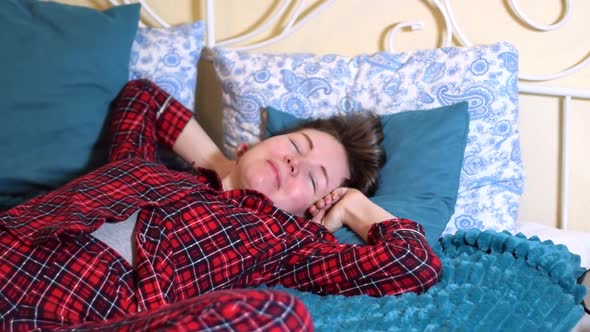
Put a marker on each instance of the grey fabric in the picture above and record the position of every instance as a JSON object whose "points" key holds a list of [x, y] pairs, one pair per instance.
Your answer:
{"points": [[119, 236]]}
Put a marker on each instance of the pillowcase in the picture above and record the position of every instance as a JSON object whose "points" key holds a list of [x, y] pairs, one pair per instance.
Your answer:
{"points": [[420, 178], [308, 85], [169, 57], [61, 67]]}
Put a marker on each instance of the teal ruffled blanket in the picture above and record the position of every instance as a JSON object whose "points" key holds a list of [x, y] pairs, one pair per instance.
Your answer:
{"points": [[491, 282]]}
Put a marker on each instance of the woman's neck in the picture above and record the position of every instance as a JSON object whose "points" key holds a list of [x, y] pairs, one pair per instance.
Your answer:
{"points": [[226, 183]]}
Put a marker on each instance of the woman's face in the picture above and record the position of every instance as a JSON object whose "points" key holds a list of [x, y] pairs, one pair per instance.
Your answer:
{"points": [[293, 170]]}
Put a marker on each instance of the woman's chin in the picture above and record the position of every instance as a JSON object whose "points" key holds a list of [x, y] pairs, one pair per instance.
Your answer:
{"points": [[294, 211], [259, 184]]}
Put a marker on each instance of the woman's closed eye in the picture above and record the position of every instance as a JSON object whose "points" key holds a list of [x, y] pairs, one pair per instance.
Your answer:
{"points": [[312, 180], [295, 146], [313, 183]]}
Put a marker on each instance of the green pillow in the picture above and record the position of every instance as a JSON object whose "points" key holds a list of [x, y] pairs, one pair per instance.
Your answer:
{"points": [[420, 178], [61, 67]]}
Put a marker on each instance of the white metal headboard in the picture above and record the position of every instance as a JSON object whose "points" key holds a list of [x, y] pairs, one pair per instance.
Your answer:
{"points": [[147, 8], [299, 18]]}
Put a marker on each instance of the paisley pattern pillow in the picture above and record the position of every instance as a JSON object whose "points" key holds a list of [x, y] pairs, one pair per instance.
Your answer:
{"points": [[308, 85], [169, 57]]}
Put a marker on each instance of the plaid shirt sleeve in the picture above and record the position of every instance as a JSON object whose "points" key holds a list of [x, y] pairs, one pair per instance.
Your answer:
{"points": [[144, 115], [397, 259]]}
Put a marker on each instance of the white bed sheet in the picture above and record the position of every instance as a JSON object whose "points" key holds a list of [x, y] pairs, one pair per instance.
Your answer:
{"points": [[576, 242]]}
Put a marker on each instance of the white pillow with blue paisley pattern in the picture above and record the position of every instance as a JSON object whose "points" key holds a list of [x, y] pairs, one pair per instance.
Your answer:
{"points": [[169, 57], [312, 86]]}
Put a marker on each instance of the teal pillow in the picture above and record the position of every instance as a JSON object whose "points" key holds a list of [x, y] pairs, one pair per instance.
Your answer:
{"points": [[420, 178], [61, 67]]}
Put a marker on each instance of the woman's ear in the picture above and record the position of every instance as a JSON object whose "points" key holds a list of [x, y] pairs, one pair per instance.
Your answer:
{"points": [[241, 149]]}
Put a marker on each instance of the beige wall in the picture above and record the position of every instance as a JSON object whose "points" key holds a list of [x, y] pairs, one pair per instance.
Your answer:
{"points": [[354, 26]]}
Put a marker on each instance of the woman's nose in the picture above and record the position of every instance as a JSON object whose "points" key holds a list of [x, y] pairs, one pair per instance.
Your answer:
{"points": [[292, 164]]}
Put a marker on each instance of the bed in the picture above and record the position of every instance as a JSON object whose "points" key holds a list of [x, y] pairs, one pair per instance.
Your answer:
{"points": [[511, 255]]}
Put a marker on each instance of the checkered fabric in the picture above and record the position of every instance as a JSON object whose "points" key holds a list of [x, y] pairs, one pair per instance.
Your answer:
{"points": [[191, 236], [225, 310]]}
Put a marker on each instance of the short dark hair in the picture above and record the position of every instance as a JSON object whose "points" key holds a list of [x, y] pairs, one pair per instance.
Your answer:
{"points": [[361, 135]]}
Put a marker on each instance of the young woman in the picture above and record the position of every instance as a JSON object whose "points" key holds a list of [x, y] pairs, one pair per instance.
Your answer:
{"points": [[232, 224]]}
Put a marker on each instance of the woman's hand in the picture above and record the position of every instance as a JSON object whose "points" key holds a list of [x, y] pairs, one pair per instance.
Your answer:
{"points": [[330, 210], [350, 207]]}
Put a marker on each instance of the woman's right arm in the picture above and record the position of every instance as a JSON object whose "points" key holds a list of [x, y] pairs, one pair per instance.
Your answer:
{"points": [[350, 207], [395, 259]]}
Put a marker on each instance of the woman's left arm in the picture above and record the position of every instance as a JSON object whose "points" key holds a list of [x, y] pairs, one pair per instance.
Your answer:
{"points": [[198, 149], [144, 115]]}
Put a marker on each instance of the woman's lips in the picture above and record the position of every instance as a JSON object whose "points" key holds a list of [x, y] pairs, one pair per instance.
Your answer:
{"points": [[275, 171]]}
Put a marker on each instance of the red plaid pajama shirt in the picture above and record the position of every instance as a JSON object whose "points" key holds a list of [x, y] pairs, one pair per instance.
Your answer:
{"points": [[191, 238]]}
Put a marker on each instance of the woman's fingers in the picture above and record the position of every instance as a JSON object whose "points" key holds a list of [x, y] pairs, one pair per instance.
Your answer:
{"points": [[338, 193], [319, 209], [319, 216], [312, 210]]}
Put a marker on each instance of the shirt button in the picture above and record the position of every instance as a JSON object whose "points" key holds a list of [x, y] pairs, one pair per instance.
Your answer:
{"points": [[142, 238]]}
